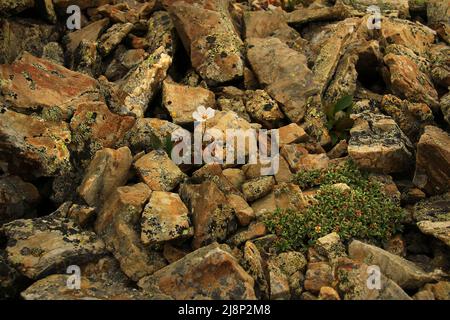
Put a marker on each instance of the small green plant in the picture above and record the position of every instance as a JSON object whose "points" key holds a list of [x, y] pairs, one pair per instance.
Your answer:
{"points": [[339, 122], [362, 212], [166, 145]]}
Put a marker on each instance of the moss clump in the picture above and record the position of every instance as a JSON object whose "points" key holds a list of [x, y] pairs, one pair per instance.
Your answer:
{"points": [[362, 212]]}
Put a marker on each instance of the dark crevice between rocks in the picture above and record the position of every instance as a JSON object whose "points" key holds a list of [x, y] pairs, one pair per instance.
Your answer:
{"points": [[369, 74], [46, 205]]}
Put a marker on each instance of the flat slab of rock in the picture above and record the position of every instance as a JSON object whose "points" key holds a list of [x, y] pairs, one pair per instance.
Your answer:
{"points": [[34, 146], [439, 230], [207, 273], [284, 73], [210, 38], [32, 83], [12, 7], [37, 247], [433, 161], [90, 33], [118, 223], [378, 144], [107, 171], [165, 218], [403, 272]]}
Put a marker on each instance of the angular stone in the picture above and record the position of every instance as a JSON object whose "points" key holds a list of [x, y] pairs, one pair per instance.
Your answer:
{"points": [[81, 214], [112, 37], [55, 287], [284, 173], [107, 171], [182, 101], [207, 273], [292, 133], [11, 281], [440, 290], [440, 60], [244, 213], [235, 176], [255, 230], [89, 33], [402, 6], [31, 84], [123, 62], [86, 59], [33, 146], [258, 188], [210, 38], [256, 267], [424, 295], [158, 171], [439, 230], [437, 14], [284, 73], [165, 218], [18, 199], [433, 209], [318, 275], [300, 159], [212, 217], [433, 161], [262, 108], [445, 107], [279, 283], [161, 32], [83, 4], [378, 144], [95, 127], [117, 224], [53, 52], [16, 6], [135, 91], [328, 293], [330, 246], [38, 247], [403, 272], [302, 16]]}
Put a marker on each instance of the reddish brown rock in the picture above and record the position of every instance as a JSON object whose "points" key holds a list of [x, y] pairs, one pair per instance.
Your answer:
{"points": [[318, 275], [90, 33], [292, 133], [207, 273]]}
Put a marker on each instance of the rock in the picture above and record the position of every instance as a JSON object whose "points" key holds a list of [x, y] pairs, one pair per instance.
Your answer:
{"points": [[328, 293], [445, 107], [290, 262], [124, 62], [19, 35], [81, 214], [158, 171], [435, 209], [161, 32], [117, 223], [107, 171], [31, 145], [233, 99], [134, 92], [207, 273], [235, 176], [386, 6], [377, 144], [11, 281], [396, 245], [38, 247], [18, 199], [54, 287], [403, 272], [433, 161], [172, 253], [354, 278], [440, 290], [439, 230], [95, 127], [89, 33], [150, 133], [424, 295], [339, 150], [87, 60], [256, 267], [284, 74], [437, 14], [182, 101], [262, 108], [53, 52], [411, 117], [292, 133], [330, 246], [279, 284], [212, 217], [258, 188], [406, 78], [318, 275], [208, 35], [13, 7], [112, 37], [165, 218], [36, 84], [303, 16], [300, 159], [244, 213], [255, 230], [83, 4], [284, 173], [440, 69]]}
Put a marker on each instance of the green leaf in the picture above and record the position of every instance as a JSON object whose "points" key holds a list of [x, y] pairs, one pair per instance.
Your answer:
{"points": [[343, 103]]}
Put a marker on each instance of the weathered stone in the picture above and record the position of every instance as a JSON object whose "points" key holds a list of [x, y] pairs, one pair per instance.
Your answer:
{"points": [[107, 171], [258, 187], [330, 246], [83, 4], [86, 59], [34, 146], [433, 209], [302, 16], [208, 35], [262, 108], [339, 150], [11, 281], [279, 283], [445, 107], [53, 52], [328, 293], [424, 295], [233, 99], [235, 176], [81, 214], [161, 32], [318, 275], [172, 253], [437, 14], [411, 117], [16, 6], [439, 230], [255, 230], [117, 224], [292, 133], [158, 171], [18, 199], [112, 37], [19, 35], [300, 159], [386, 6], [244, 213], [403, 272], [95, 127], [38, 247], [440, 290], [89, 33], [378, 144], [207, 273], [433, 161], [182, 101], [440, 68], [284, 73], [32, 84], [134, 92], [213, 219], [165, 218], [123, 62], [353, 278]]}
